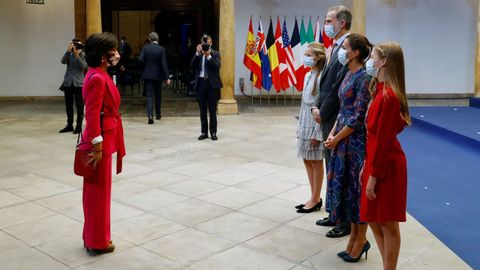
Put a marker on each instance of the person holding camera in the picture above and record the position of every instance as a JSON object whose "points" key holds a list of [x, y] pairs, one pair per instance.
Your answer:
{"points": [[206, 63], [72, 84]]}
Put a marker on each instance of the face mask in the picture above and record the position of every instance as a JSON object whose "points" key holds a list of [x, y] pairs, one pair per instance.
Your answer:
{"points": [[330, 30], [371, 70], [342, 56], [308, 61], [113, 61]]}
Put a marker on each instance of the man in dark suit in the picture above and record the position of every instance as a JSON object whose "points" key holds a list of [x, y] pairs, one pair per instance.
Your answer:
{"points": [[206, 63], [337, 25], [154, 71]]}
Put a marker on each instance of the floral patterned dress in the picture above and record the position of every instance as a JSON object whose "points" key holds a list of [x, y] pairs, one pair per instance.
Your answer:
{"points": [[343, 187]]}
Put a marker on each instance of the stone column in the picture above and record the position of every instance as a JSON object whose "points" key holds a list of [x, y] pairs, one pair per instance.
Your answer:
{"points": [[94, 17], [358, 13], [227, 104], [477, 57]]}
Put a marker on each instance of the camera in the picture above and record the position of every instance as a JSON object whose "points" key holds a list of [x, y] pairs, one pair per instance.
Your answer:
{"points": [[78, 46], [205, 47]]}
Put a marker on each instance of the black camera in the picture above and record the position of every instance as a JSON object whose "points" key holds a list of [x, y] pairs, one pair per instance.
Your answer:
{"points": [[205, 38], [78, 46], [205, 47]]}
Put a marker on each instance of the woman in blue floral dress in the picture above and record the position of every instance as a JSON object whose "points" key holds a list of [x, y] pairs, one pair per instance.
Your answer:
{"points": [[347, 141]]}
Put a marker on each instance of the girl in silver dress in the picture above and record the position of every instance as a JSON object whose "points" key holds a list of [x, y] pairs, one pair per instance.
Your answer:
{"points": [[309, 133]]}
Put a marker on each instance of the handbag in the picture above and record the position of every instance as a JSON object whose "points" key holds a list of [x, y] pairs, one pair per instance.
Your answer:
{"points": [[81, 167]]}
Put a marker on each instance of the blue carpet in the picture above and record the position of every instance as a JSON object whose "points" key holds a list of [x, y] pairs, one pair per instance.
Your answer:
{"points": [[444, 177], [475, 102], [462, 120]]}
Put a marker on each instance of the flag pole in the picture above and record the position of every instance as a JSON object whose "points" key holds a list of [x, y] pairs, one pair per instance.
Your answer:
{"points": [[268, 95], [293, 96], [251, 92], [285, 90]]}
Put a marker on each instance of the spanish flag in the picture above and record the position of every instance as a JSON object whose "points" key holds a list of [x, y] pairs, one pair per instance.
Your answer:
{"points": [[251, 60]]}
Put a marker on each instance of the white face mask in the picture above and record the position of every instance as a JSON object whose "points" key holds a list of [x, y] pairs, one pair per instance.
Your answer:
{"points": [[371, 69], [342, 56], [330, 30], [308, 61]]}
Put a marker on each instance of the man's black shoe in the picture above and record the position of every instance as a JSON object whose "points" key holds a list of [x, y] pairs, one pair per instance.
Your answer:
{"points": [[325, 222], [159, 117], [77, 130], [214, 137], [150, 121], [66, 129], [202, 137], [337, 232]]}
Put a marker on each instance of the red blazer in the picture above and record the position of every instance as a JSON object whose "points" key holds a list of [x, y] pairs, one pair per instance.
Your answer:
{"points": [[101, 95]]}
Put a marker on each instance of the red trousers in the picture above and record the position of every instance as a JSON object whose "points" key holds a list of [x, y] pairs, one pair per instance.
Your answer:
{"points": [[96, 205]]}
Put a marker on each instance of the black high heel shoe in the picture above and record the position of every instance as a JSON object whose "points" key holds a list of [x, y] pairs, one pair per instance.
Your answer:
{"points": [[316, 207], [342, 254], [299, 206], [348, 258]]}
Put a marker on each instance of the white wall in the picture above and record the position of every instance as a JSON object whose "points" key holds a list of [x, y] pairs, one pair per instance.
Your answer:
{"points": [[438, 36], [33, 39]]}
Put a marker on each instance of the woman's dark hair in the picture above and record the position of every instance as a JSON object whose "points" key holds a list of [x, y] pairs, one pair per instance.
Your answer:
{"points": [[360, 43], [97, 45]]}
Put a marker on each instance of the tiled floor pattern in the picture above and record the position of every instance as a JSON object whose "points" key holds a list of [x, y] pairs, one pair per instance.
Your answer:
{"points": [[180, 203]]}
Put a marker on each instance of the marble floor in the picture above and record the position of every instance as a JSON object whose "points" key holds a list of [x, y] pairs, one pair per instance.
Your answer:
{"points": [[180, 203]]}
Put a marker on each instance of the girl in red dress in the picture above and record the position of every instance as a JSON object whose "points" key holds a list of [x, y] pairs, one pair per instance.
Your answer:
{"points": [[103, 134], [384, 175]]}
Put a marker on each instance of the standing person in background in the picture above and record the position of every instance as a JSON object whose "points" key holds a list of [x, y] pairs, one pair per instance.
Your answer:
{"points": [[347, 142], [72, 84], [154, 71], [384, 178], [309, 133], [125, 52], [206, 62], [337, 25], [103, 135]]}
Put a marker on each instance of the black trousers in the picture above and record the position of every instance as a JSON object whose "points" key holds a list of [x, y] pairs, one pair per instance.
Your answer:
{"points": [[73, 94], [207, 100], [153, 89]]}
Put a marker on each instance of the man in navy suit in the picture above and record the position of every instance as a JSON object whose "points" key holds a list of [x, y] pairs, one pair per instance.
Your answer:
{"points": [[337, 26], [206, 63], [154, 71]]}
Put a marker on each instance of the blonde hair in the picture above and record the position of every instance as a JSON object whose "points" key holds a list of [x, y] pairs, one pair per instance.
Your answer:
{"points": [[319, 51], [394, 74]]}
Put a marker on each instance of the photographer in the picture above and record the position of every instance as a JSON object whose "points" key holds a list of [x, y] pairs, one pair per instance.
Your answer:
{"points": [[206, 63], [72, 84]]}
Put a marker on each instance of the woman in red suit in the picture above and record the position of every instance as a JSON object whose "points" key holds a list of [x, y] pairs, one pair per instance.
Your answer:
{"points": [[384, 176], [103, 134]]}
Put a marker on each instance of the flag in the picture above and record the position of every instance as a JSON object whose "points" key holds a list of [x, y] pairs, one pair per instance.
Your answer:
{"points": [[310, 34], [296, 45], [288, 75], [282, 61], [300, 72], [318, 32], [263, 52], [251, 60], [273, 57]]}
